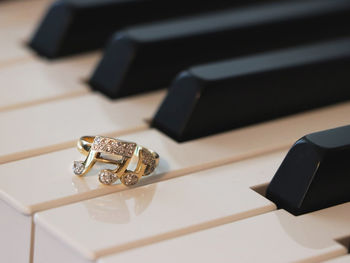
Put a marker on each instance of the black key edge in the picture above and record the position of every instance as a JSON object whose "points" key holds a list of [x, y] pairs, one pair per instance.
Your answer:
{"points": [[314, 174], [157, 60], [174, 114], [75, 26], [45, 40], [259, 88], [120, 53]]}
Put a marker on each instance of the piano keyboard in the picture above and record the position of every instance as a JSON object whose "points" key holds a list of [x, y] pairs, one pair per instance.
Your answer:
{"points": [[202, 86]]}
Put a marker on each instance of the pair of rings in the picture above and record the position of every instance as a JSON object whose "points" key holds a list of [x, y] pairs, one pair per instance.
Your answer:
{"points": [[100, 148]]}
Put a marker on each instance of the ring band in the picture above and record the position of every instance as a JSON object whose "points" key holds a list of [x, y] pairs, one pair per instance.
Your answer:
{"points": [[94, 146]]}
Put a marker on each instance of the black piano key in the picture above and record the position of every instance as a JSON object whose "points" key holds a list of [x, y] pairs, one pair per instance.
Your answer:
{"points": [[145, 58], [315, 174], [216, 97], [72, 26]]}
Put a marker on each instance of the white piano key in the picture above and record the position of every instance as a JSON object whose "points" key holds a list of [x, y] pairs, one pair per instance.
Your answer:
{"points": [[63, 187], [176, 158], [13, 49], [21, 12], [52, 183], [64, 121], [59, 186], [147, 214], [273, 237], [343, 259], [36, 80], [15, 237], [67, 120], [17, 22], [40, 80]]}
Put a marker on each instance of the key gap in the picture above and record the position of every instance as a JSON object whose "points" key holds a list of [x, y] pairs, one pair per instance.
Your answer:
{"points": [[344, 241], [32, 241], [260, 189]]}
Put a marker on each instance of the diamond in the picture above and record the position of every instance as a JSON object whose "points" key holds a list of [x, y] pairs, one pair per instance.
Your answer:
{"points": [[107, 177], [108, 148], [78, 167], [149, 160], [130, 179], [113, 146], [149, 169]]}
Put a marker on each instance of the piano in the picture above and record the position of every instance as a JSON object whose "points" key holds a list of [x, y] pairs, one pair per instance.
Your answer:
{"points": [[246, 102]]}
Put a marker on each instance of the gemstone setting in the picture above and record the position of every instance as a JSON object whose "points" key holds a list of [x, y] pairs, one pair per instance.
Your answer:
{"points": [[107, 177], [113, 146], [78, 167], [149, 160], [130, 179]]}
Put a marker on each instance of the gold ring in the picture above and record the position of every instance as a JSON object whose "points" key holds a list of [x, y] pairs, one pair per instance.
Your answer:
{"points": [[98, 148]]}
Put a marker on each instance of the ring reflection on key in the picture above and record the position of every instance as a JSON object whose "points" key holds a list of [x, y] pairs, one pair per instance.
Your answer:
{"points": [[97, 149]]}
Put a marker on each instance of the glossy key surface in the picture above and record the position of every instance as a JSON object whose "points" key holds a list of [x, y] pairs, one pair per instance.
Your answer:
{"points": [[230, 94], [147, 57], [272, 237], [17, 20], [73, 26], [315, 173], [206, 200], [47, 181]]}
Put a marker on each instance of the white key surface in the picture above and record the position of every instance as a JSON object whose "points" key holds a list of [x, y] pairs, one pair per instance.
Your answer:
{"points": [[273, 237], [17, 23], [118, 226], [37, 80], [59, 124], [175, 158], [149, 214], [48, 191], [15, 237], [13, 47], [227, 147], [342, 259], [61, 186], [21, 12], [69, 119], [26, 78], [188, 218]]}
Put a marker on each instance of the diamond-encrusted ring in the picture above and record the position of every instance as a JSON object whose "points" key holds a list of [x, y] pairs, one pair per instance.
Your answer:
{"points": [[96, 147]]}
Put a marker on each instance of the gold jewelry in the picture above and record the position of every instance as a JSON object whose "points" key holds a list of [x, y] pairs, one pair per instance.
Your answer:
{"points": [[94, 146]]}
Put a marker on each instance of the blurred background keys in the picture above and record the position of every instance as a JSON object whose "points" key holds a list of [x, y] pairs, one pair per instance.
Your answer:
{"points": [[315, 174], [147, 57], [74, 26], [213, 98]]}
